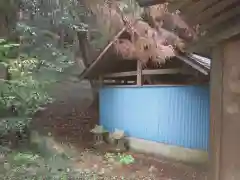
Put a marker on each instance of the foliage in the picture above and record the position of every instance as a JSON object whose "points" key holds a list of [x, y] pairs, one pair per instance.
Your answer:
{"points": [[23, 163], [45, 54], [131, 7], [48, 31], [121, 158], [126, 159], [21, 94], [29, 166]]}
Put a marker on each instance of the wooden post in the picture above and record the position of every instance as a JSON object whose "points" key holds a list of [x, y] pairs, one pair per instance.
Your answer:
{"points": [[100, 81], [216, 88], [225, 112], [139, 73]]}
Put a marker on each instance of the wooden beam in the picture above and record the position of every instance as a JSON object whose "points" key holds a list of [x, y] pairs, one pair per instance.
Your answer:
{"points": [[179, 5], [213, 38], [223, 17], [145, 72], [205, 15], [139, 73], [197, 8], [118, 82], [121, 74], [99, 58], [127, 78], [100, 81]]}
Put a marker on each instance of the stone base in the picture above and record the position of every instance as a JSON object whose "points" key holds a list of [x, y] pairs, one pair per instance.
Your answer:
{"points": [[168, 151]]}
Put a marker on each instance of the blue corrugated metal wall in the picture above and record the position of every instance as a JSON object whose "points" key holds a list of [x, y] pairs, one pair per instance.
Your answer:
{"points": [[176, 115]]}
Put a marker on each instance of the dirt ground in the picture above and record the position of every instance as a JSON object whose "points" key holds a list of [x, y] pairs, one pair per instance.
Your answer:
{"points": [[70, 122]]}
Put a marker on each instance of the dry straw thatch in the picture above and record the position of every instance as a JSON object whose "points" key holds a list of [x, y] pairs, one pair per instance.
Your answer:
{"points": [[153, 35]]}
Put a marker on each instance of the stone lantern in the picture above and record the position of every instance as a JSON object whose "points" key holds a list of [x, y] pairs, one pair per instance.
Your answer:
{"points": [[98, 133], [119, 138]]}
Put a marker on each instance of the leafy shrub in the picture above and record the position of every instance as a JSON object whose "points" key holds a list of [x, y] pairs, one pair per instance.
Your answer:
{"points": [[30, 166], [20, 95]]}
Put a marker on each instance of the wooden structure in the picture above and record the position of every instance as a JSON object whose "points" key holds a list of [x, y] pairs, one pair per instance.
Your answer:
{"points": [[110, 69], [220, 28], [128, 85]]}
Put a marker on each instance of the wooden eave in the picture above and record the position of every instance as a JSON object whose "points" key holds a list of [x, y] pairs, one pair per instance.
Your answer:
{"points": [[109, 63], [110, 66], [218, 20]]}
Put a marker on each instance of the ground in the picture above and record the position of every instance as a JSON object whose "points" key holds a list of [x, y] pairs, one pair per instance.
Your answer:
{"points": [[69, 121]]}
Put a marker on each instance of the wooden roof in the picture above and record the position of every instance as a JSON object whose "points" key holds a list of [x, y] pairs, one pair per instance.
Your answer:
{"points": [[110, 63], [218, 20]]}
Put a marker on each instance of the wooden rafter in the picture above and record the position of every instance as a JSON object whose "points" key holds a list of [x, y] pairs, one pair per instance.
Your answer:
{"points": [[221, 18], [198, 7], [179, 5], [205, 15], [100, 57], [215, 37]]}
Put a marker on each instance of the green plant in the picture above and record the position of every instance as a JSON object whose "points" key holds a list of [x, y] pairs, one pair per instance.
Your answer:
{"points": [[45, 55], [29, 166], [20, 94], [126, 159], [48, 32], [122, 158]]}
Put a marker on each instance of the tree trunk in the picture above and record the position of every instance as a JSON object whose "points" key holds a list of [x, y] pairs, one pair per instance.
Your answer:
{"points": [[8, 17], [83, 58]]}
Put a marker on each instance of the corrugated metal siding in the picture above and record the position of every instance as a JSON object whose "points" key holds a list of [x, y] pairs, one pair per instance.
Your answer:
{"points": [[176, 115]]}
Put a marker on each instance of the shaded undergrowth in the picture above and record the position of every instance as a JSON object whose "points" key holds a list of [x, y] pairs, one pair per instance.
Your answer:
{"points": [[35, 161]]}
